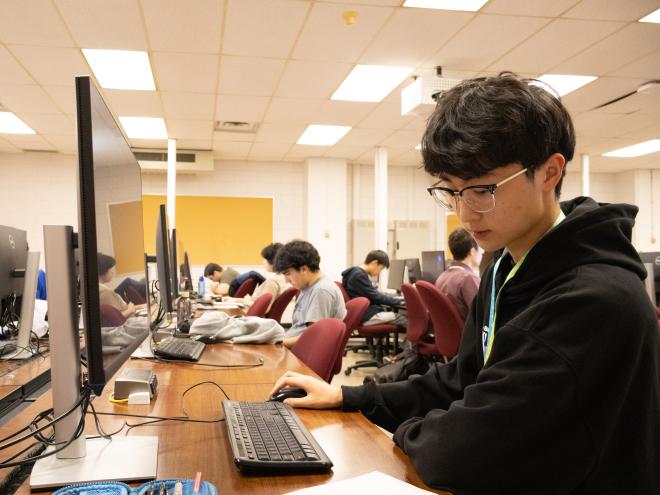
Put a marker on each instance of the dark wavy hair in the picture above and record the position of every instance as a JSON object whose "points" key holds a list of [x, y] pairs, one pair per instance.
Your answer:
{"points": [[210, 268], [489, 122], [269, 252], [460, 243], [378, 255], [296, 254], [104, 263]]}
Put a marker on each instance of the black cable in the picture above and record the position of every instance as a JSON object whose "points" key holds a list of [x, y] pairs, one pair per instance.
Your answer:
{"points": [[194, 363]]}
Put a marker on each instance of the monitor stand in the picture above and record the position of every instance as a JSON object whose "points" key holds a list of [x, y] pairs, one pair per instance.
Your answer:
{"points": [[123, 458]]}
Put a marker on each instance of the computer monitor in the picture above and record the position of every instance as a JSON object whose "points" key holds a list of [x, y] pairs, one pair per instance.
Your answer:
{"points": [[395, 276], [13, 261], [433, 264], [186, 276], [414, 270], [653, 258], [174, 260], [109, 194], [163, 261]]}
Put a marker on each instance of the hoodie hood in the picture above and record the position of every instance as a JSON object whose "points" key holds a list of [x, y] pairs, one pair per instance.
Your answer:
{"points": [[599, 234], [346, 274]]}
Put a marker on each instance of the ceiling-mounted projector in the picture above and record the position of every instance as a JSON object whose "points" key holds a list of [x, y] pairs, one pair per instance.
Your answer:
{"points": [[421, 95]]}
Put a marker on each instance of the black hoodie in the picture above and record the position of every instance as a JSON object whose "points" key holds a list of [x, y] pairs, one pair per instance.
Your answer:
{"points": [[569, 401], [357, 284]]}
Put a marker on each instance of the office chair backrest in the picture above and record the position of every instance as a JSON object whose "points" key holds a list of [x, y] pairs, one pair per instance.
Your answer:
{"points": [[418, 315], [131, 294], [355, 309], [279, 305], [111, 316], [260, 306], [247, 287], [447, 323], [318, 346], [343, 291]]}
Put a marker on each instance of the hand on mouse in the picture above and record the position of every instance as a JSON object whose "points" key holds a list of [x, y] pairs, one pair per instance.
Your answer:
{"points": [[320, 395]]}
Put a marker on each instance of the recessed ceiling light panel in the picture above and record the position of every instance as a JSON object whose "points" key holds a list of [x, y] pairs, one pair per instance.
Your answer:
{"points": [[371, 82], [638, 149], [11, 124], [121, 69], [144, 127], [323, 135]]}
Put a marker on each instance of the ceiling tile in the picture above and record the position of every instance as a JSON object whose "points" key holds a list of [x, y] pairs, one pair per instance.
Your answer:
{"points": [[598, 92], [231, 137], [266, 28], [49, 123], [386, 116], [347, 151], [412, 35], [343, 112], [240, 108], [149, 144], [268, 151], [29, 142], [192, 26], [7, 147], [558, 41], [625, 46], [290, 110], [365, 137], [645, 102], [35, 22], [185, 72], [485, 39], [26, 98], [539, 8], [305, 79], [599, 10], [403, 139], [279, 133], [63, 96], [249, 76], [51, 66], [11, 71], [115, 25], [383, 3], [327, 37], [234, 150], [67, 144], [188, 105], [189, 129], [133, 103], [301, 152], [647, 67], [194, 144]]}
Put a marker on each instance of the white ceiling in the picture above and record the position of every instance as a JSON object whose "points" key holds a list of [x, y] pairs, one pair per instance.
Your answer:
{"points": [[277, 62]]}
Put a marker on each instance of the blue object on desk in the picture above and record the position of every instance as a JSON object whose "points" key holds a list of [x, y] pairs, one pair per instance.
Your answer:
{"points": [[41, 285], [118, 488]]}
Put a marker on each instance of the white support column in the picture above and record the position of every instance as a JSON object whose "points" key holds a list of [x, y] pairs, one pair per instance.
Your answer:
{"points": [[585, 175], [380, 203], [171, 182]]}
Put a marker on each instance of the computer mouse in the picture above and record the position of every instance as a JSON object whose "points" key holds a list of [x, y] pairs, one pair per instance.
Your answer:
{"points": [[288, 393]]}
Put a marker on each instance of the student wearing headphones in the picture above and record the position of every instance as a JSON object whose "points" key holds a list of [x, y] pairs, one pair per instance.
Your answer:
{"points": [[555, 388]]}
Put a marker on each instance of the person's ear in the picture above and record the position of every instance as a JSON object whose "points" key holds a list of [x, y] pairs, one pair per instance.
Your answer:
{"points": [[552, 171]]}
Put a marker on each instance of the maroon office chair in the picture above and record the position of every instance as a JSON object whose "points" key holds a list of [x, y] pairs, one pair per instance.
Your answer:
{"points": [[447, 323], [260, 305], [111, 316], [131, 294], [279, 305], [343, 291], [418, 321], [247, 287], [319, 345], [355, 309]]}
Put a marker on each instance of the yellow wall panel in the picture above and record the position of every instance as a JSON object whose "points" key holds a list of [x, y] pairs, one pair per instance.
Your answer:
{"points": [[228, 231]]}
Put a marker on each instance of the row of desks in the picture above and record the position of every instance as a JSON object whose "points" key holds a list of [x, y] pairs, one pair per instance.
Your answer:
{"points": [[354, 444]]}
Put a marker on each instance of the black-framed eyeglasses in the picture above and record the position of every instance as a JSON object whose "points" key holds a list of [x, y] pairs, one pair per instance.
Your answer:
{"points": [[480, 198]]}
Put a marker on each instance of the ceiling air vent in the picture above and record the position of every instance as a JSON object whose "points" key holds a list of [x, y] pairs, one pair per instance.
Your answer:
{"points": [[186, 161], [235, 126]]}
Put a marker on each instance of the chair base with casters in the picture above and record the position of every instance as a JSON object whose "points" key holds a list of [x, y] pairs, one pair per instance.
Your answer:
{"points": [[381, 334]]}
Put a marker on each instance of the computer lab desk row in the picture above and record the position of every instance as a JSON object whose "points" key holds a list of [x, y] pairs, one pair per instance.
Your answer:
{"points": [[20, 379], [353, 443]]}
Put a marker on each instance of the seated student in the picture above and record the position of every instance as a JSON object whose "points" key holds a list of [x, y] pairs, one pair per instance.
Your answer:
{"points": [[459, 281], [213, 284], [106, 269], [274, 284], [319, 296], [228, 274], [357, 283], [556, 385]]}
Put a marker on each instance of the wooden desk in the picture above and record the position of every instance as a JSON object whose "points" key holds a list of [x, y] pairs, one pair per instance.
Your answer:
{"points": [[354, 444]]}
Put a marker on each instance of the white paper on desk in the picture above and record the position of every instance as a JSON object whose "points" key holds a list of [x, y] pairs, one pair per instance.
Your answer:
{"points": [[374, 482]]}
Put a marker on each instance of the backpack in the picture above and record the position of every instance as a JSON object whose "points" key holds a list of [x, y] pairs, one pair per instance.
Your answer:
{"points": [[407, 363]]}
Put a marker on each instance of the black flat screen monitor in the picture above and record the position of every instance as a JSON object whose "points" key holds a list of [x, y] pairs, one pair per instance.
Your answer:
{"points": [[186, 276], [433, 264], [174, 260], [395, 276], [414, 270], [13, 260], [654, 259], [163, 261], [110, 222]]}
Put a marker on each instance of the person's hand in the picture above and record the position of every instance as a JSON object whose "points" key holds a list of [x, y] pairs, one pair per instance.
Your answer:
{"points": [[130, 308], [320, 395]]}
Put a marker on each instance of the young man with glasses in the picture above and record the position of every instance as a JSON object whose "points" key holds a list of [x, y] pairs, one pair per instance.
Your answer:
{"points": [[556, 385]]}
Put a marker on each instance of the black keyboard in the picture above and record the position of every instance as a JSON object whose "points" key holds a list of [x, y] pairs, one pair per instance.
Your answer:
{"points": [[179, 349], [268, 437]]}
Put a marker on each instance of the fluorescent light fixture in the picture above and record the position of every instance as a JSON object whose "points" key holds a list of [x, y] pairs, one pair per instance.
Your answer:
{"points": [[144, 127], [323, 135], [10, 124], [371, 82], [652, 17], [121, 69], [465, 5], [638, 149], [563, 84]]}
